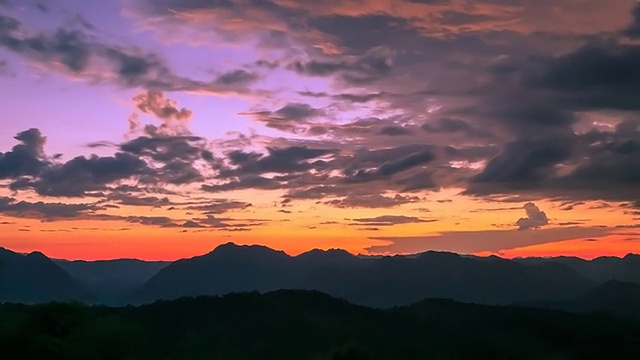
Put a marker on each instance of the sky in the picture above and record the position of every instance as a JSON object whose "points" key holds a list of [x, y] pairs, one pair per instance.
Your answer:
{"points": [[159, 129]]}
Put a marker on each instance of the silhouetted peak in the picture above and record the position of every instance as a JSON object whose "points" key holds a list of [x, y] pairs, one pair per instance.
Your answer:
{"points": [[332, 253], [6, 253], [37, 255], [233, 250], [438, 255], [326, 257]]}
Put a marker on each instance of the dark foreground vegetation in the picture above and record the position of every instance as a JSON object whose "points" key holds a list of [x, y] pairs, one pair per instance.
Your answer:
{"points": [[308, 325]]}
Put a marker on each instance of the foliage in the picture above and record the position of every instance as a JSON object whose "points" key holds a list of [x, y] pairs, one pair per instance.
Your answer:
{"points": [[307, 325]]}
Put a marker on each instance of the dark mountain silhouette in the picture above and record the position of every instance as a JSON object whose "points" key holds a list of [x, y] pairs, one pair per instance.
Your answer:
{"points": [[384, 281], [34, 278], [613, 297], [229, 268], [600, 269], [380, 282], [288, 325], [108, 281]]}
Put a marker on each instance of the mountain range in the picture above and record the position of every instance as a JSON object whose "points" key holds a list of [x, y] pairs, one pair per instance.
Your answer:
{"points": [[381, 282]]}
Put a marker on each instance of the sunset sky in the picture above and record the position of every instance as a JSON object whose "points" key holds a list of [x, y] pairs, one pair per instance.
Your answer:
{"points": [[159, 129]]}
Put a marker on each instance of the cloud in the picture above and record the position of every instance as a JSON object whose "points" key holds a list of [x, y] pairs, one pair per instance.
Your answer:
{"points": [[131, 200], [44, 211], [373, 65], [395, 131], [26, 158], [393, 167], [146, 160], [277, 160], [523, 163], [634, 28], [154, 102], [372, 201], [80, 54], [592, 77], [288, 118], [237, 77], [471, 242], [535, 218], [388, 220], [81, 175], [219, 206], [244, 182]]}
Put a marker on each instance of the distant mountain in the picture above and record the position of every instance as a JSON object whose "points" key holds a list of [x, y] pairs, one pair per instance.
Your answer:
{"points": [[229, 268], [109, 281], [294, 325], [35, 278], [600, 269], [613, 297], [381, 282]]}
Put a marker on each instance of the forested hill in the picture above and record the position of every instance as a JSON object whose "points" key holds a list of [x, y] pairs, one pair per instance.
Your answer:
{"points": [[299, 325]]}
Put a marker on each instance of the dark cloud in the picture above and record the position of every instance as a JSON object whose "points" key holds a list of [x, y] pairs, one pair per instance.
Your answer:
{"points": [[289, 117], [535, 218], [374, 65], [244, 182], [132, 200], [451, 126], [593, 77], [227, 224], [26, 158], [356, 98], [73, 51], [372, 201], [277, 160], [388, 220], [446, 125], [634, 28], [395, 131], [419, 181], [168, 148], [64, 46], [44, 211], [161, 221], [219, 206], [393, 167], [597, 165], [81, 175], [522, 164], [237, 77], [174, 157], [296, 111]]}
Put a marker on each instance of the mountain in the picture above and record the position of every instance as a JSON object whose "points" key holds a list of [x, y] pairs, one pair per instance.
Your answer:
{"points": [[613, 297], [600, 269], [229, 268], [381, 282], [108, 281], [293, 325], [35, 278]]}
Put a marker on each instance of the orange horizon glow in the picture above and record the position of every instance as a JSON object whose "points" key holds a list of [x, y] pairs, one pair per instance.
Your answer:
{"points": [[164, 249]]}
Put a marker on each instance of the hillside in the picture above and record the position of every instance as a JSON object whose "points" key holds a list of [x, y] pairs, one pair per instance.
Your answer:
{"points": [[35, 278], [308, 325]]}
